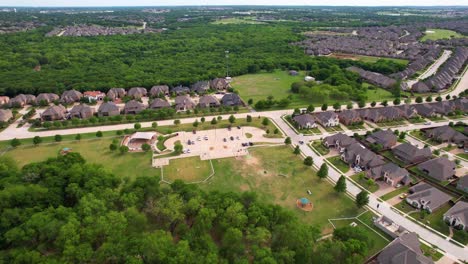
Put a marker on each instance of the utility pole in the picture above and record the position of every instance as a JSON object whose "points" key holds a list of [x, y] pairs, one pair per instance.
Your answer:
{"points": [[227, 62]]}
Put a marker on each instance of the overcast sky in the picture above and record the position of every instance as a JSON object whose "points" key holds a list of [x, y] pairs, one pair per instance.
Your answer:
{"points": [[228, 2]]}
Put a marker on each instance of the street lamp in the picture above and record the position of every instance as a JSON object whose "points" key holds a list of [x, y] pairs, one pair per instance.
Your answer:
{"points": [[226, 52]]}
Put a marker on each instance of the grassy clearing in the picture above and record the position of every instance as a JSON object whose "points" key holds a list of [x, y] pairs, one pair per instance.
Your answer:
{"points": [[320, 148], [376, 93], [437, 33], [364, 58], [338, 163], [235, 20], [394, 193], [370, 185], [190, 169]]}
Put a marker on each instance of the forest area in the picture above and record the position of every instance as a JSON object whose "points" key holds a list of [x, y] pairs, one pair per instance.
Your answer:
{"points": [[66, 210]]}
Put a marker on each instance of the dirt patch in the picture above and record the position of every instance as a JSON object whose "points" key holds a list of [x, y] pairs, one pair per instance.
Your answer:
{"points": [[252, 161], [244, 187], [343, 56]]}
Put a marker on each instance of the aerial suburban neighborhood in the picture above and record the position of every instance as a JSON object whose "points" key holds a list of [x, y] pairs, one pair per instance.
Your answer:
{"points": [[234, 134]]}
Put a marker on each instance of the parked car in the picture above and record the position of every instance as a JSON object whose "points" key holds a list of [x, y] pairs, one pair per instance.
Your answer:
{"points": [[427, 123], [189, 142], [224, 139], [403, 196], [238, 127], [251, 144], [232, 138], [301, 142]]}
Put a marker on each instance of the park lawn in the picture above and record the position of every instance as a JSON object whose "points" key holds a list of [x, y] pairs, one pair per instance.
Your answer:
{"points": [[278, 176], [359, 178], [190, 169], [394, 193], [338, 163], [320, 148], [440, 34], [377, 94], [95, 151], [259, 86]]}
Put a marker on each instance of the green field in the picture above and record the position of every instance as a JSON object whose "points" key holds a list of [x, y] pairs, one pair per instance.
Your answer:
{"points": [[368, 59], [440, 34], [377, 94], [190, 169], [235, 20]]}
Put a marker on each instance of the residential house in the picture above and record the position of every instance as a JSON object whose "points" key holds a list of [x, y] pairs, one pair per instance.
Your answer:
{"points": [[70, 96], [304, 121], [425, 110], [54, 112], [407, 111], [116, 93], [231, 99], [385, 138], [159, 103], [219, 84], [390, 173], [180, 90], [373, 77], [159, 90], [137, 92], [405, 249], [440, 168], [425, 197], [444, 107], [4, 100], [457, 216], [327, 119], [446, 134], [349, 117], [388, 226], [22, 99], [133, 107], [410, 154], [94, 96], [5, 115], [81, 111], [293, 73], [184, 102], [358, 155], [108, 109], [420, 87], [383, 114], [207, 101], [339, 141], [46, 98], [462, 183], [201, 87]]}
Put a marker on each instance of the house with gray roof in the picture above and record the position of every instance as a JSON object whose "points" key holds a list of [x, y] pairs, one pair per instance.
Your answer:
{"points": [[137, 92], [407, 111], [410, 154], [462, 183], [22, 99], [159, 103], [180, 90], [390, 173], [116, 93], [231, 99], [425, 110], [304, 121], [425, 197], [446, 134], [54, 112], [46, 98], [81, 111], [5, 115], [457, 216], [133, 107], [108, 109], [207, 101], [200, 87], [184, 103], [385, 138], [4, 100], [405, 249], [70, 96], [349, 117], [219, 84], [358, 155], [327, 119], [440, 168], [339, 141], [159, 90]]}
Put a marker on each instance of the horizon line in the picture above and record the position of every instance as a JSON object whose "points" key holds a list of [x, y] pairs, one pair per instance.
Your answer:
{"points": [[231, 5]]}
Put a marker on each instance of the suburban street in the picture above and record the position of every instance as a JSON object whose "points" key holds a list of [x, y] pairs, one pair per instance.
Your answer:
{"points": [[432, 68]]}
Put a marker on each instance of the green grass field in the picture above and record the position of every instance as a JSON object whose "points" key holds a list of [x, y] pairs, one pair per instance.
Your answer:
{"points": [[338, 163], [234, 20], [377, 94], [364, 58], [190, 169], [440, 34]]}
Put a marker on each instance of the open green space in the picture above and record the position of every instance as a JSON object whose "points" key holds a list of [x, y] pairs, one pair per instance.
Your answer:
{"points": [[191, 169], [320, 148], [368, 59], [368, 184], [235, 20], [437, 33], [394, 193], [338, 163]]}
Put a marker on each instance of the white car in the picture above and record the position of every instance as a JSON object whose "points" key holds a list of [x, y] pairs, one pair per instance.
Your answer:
{"points": [[427, 123]]}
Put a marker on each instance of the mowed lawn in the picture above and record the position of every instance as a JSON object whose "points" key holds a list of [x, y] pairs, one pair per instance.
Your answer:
{"points": [[377, 94], [190, 169], [440, 34], [97, 151], [261, 85]]}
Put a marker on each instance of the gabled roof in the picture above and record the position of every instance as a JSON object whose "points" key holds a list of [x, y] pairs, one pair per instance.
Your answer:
{"points": [[231, 99], [439, 168], [47, 97], [201, 86], [137, 92], [108, 107], [5, 115], [159, 103], [82, 110], [411, 152], [304, 119], [433, 197], [56, 111], [159, 89], [460, 211], [70, 96], [405, 249], [208, 100], [385, 138], [324, 117]]}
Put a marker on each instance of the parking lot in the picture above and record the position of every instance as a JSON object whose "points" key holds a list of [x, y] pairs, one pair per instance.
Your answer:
{"points": [[216, 143]]}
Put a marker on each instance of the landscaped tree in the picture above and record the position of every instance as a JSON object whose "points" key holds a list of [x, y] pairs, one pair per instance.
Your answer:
{"points": [[177, 122], [249, 118], [276, 131], [178, 148], [137, 126], [349, 106], [265, 121], [297, 151], [287, 141], [58, 138], [297, 111], [429, 99], [438, 98], [373, 104], [362, 199], [361, 103], [78, 137], [250, 101], [324, 107], [113, 147], [202, 119], [232, 119], [419, 99], [123, 149], [15, 142], [402, 135], [37, 140], [195, 124], [337, 106], [213, 121], [397, 101], [154, 125], [308, 161], [384, 103], [436, 152], [220, 118], [323, 171], [340, 185], [310, 109], [447, 97], [146, 147], [99, 134]]}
